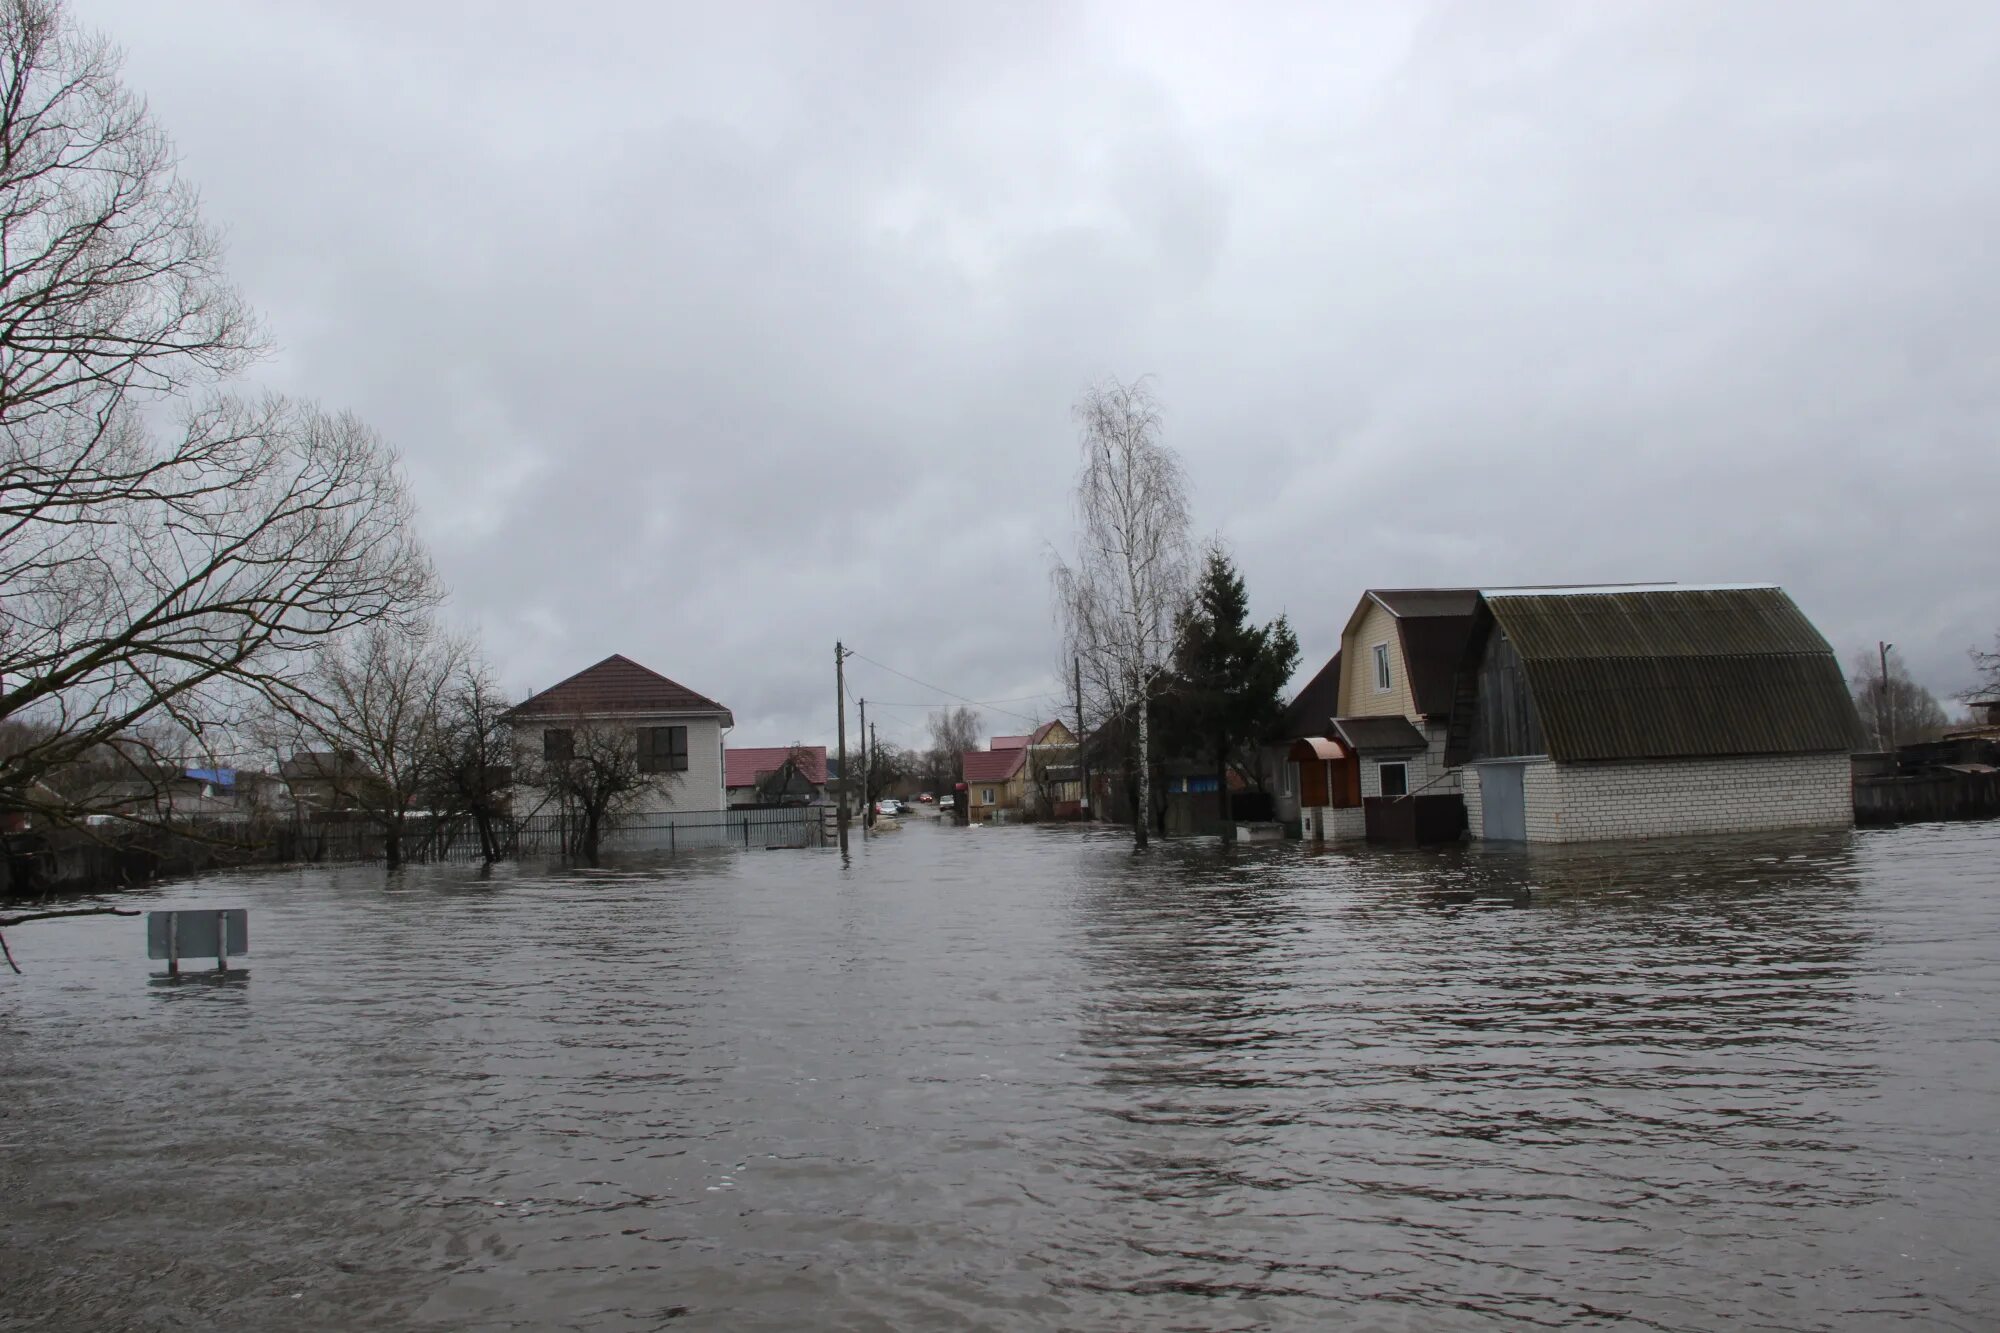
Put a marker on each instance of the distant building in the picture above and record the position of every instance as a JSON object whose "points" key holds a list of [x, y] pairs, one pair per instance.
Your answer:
{"points": [[758, 775], [676, 732], [1024, 777], [1635, 712]]}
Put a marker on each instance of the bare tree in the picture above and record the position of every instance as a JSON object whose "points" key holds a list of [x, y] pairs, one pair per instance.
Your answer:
{"points": [[376, 701], [167, 556], [953, 732], [1120, 601], [1901, 712], [1987, 664], [594, 774], [469, 768], [791, 780]]}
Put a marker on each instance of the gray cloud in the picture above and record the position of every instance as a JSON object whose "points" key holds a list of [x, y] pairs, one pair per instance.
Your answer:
{"points": [[713, 338]]}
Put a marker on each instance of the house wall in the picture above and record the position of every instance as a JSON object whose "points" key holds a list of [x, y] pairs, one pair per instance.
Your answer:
{"points": [[698, 788], [1358, 695], [1427, 768], [1006, 797], [1674, 797]]}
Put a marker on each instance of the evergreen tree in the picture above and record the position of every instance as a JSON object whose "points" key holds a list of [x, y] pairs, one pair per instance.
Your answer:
{"points": [[1230, 674]]}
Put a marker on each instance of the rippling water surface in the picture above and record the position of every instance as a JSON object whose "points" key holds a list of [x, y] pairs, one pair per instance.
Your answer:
{"points": [[1018, 1078]]}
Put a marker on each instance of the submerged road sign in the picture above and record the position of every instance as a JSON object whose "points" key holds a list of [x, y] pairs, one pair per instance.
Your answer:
{"points": [[216, 933]]}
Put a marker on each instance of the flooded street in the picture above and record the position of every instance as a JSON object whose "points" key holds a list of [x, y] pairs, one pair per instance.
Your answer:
{"points": [[1016, 1079]]}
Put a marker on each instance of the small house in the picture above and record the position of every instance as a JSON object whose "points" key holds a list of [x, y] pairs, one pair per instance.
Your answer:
{"points": [[774, 774], [1031, 776], [1645, 711], [1373, 764]]}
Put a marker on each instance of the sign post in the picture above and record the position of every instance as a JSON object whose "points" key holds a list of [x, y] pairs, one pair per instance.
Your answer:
{"points": [[216, 934]]}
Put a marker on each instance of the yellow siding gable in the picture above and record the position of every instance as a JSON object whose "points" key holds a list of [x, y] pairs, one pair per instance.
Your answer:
{"points": [[1358, 695]]}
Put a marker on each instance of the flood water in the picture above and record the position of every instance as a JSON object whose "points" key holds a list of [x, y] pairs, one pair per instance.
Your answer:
{"points": [[1019, 1079]]}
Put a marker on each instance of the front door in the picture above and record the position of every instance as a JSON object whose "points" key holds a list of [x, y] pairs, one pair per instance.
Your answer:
{"points": [[1502, 810]]}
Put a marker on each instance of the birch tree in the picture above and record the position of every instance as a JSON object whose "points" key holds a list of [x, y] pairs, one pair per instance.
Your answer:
{"points": [[1121, 599]]}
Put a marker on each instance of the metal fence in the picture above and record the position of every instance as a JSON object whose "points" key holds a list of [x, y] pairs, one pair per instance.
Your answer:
{"points": [[678, 831]]}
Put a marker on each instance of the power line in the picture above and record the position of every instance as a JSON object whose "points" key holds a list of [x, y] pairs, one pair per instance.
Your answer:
{"points": [[983, 703]]}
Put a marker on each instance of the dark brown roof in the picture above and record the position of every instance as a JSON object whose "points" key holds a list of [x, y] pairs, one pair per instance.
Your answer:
{"points": [[1433, 649], [1666, 672], [1427, 601], [1316, 703], [1368, 735], [617, 685]]}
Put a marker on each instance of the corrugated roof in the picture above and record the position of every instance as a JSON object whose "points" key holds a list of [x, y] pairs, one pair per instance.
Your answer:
{"points": [[993, 765], [1673, 672], [1368, 735], [1008, 743], [743, 765], [617, 685]]}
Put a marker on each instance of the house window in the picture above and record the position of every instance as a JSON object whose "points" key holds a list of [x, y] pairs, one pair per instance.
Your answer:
{"points": [[1382, 667], [986, 796], [663, 749], [1395, 779], [558, 745]]}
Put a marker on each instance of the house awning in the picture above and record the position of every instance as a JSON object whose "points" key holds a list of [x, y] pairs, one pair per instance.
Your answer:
{"points": [[1367, 735], [1311, 749]]}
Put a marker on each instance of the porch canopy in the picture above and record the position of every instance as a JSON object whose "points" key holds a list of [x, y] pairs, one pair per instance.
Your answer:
{"points": [[1329, 772]]}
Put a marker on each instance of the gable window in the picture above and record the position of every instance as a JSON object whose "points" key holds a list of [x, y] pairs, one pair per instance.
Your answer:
{"points": [[558, 745], [1395, 779], [663, 749], [1382, 667]]}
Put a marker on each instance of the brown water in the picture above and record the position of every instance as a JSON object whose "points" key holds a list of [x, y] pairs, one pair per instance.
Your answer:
{"points": [[1019, 1079]]}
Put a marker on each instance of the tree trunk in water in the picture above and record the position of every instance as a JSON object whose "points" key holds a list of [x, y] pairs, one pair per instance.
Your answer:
{"points": [[392, 848], [1143, 816], [1222, 798]]}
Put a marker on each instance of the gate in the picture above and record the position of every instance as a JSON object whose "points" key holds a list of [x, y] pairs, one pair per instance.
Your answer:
{"points": [[1503, 808]]}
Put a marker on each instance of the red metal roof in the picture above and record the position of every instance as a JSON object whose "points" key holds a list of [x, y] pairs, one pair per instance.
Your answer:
{"points": [[743, 765], [617, 685], [1009, 743], [993, 765]]}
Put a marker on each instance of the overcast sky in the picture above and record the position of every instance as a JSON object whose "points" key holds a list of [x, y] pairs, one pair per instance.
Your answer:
{"points": [[713, 334]]}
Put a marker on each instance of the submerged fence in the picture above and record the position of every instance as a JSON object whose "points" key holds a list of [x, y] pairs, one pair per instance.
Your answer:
{"points": [[110, 856], [678, 831]]}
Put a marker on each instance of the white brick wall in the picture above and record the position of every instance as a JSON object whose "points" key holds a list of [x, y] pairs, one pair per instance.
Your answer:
{"points": [[1667, 798], [1424, 766]]}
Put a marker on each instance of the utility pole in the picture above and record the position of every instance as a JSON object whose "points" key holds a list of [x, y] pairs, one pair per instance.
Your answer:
{"points": [[874, 752], [867, 778], [1885, 725], [840, 712], [1082, 755]]}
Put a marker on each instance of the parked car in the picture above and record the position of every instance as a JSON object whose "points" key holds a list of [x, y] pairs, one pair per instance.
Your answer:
{"points": [[927, 798], [944, 802], [888, 805]]}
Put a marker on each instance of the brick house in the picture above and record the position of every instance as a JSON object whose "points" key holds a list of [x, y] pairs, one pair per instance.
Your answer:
{"points": [[676, 732], [1635, 712]]}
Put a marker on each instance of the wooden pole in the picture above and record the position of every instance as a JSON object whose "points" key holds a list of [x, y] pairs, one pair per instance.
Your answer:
{"points": [[867, 778], [1885, 725], [840, 714]]}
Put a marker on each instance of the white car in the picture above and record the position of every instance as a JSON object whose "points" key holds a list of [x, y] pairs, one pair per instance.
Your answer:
{"points": [[944, 802], [888, 805]]}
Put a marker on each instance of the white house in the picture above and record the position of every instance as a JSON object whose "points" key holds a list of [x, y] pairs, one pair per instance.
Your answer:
{"points": [[676, 732]]}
